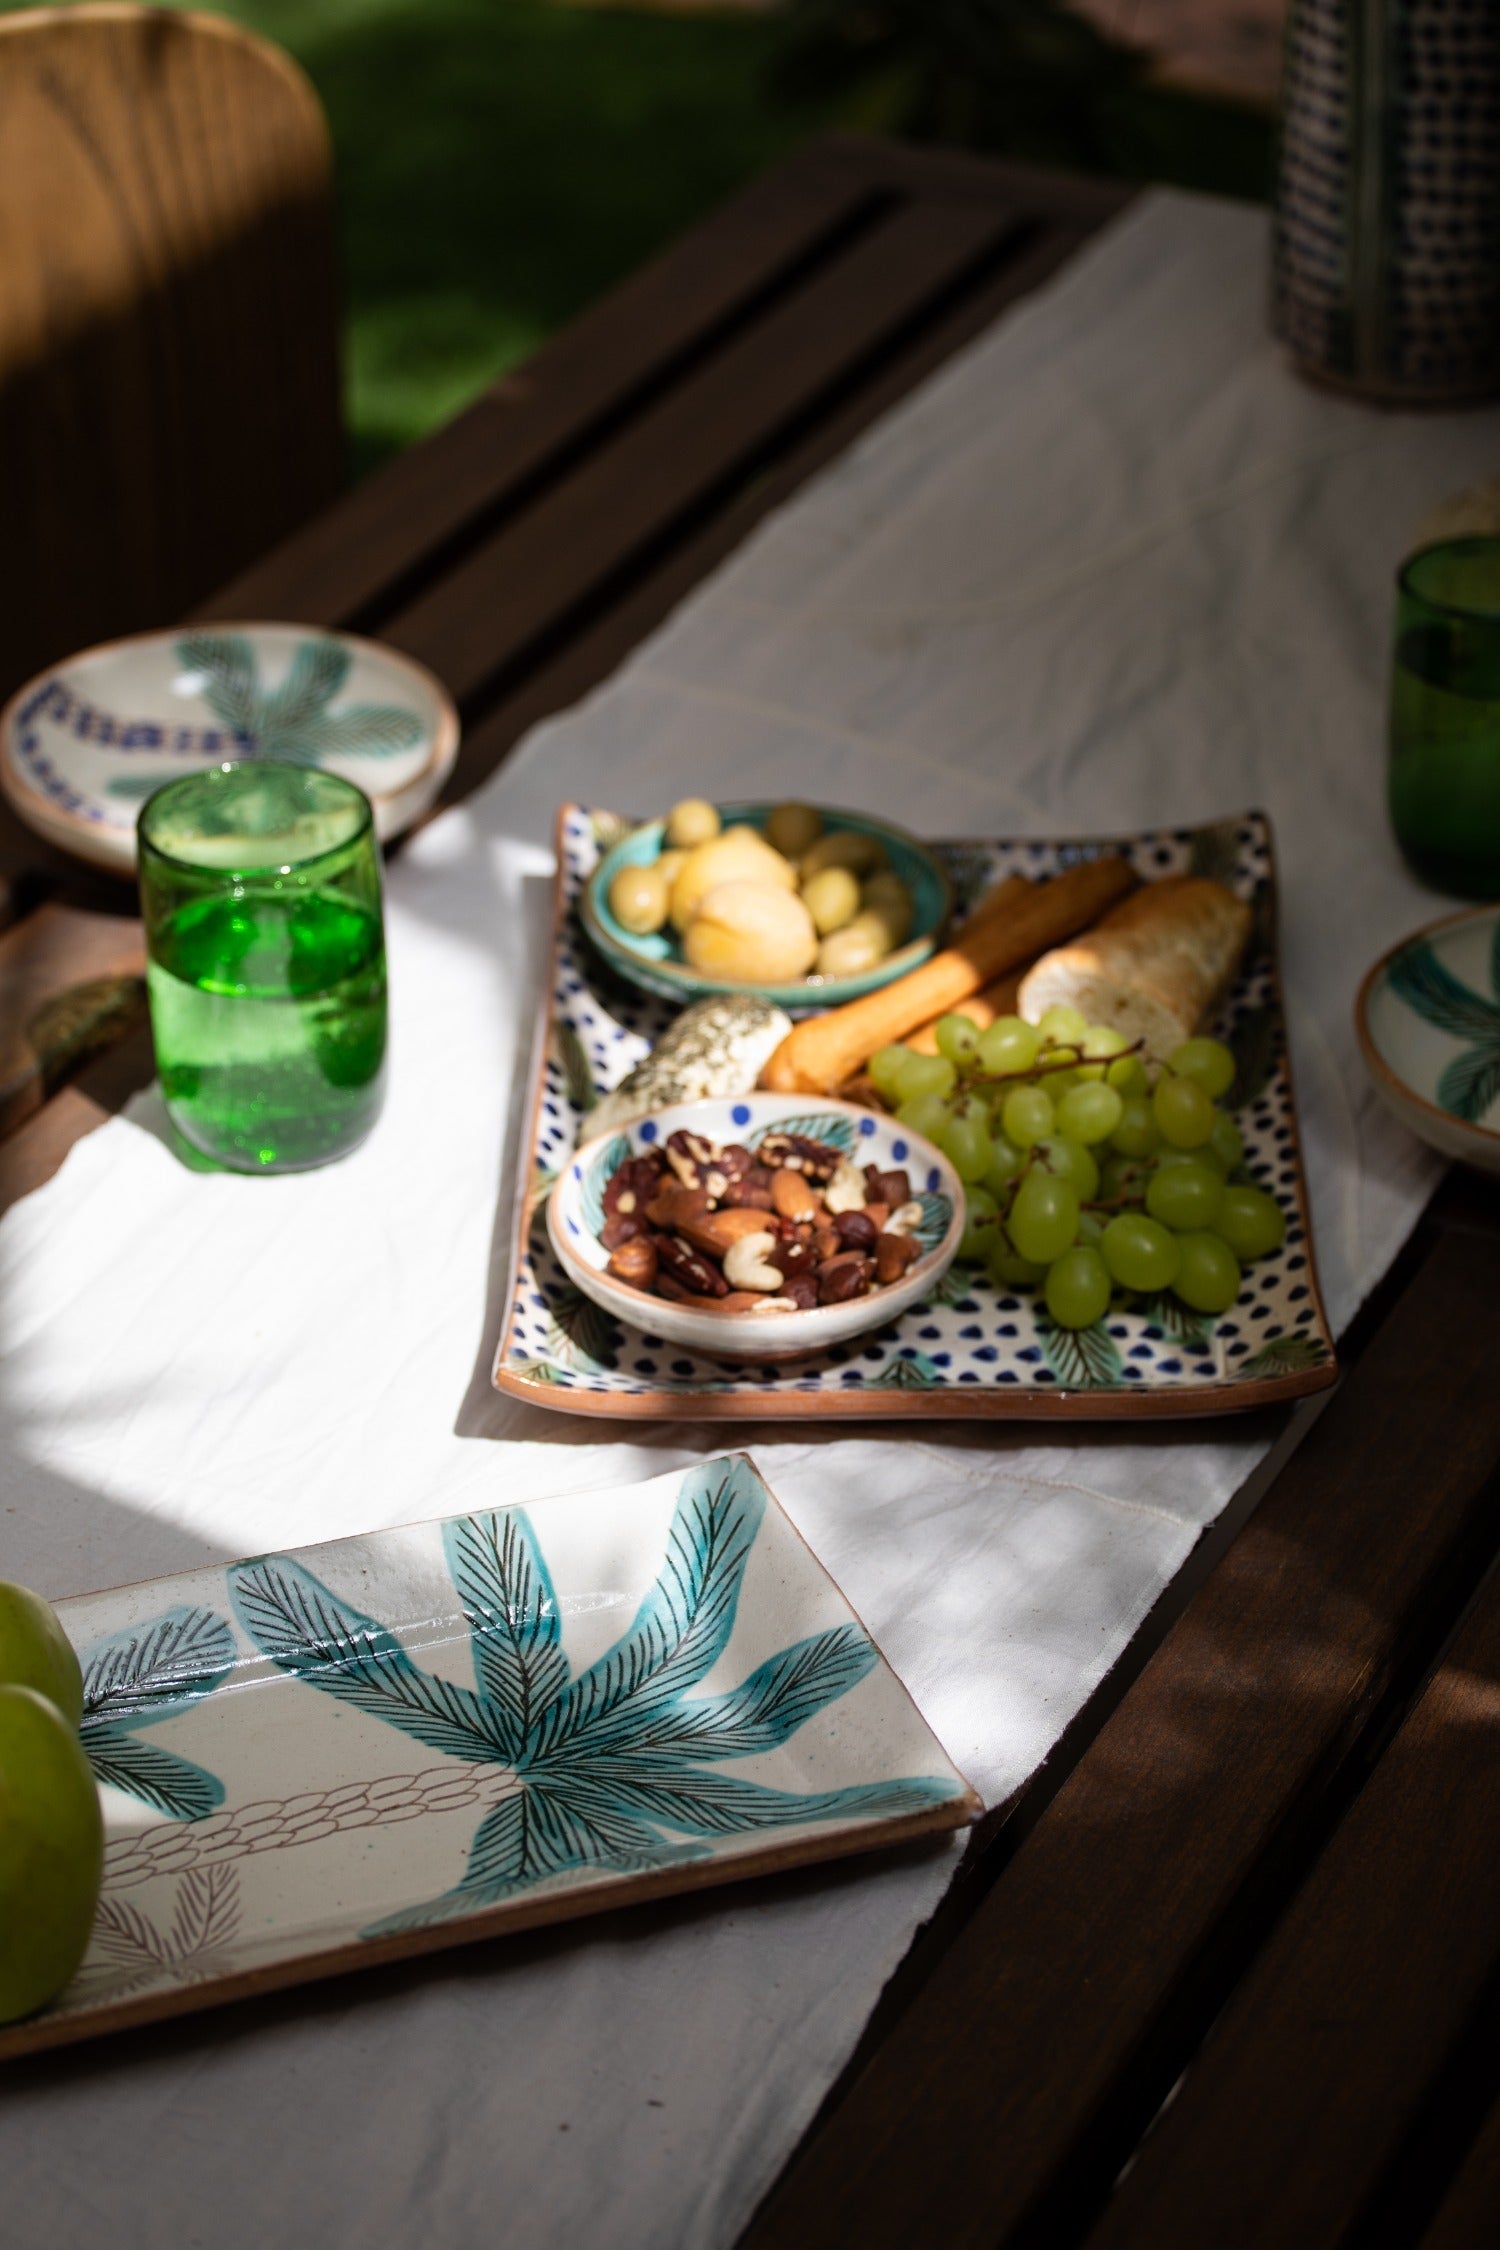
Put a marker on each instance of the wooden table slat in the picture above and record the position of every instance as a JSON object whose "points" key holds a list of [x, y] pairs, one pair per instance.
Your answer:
{"points": [[562, 675], [1469, 2215], [688, 452], [1019, 2069], [1292, 2117], [394, 527]]}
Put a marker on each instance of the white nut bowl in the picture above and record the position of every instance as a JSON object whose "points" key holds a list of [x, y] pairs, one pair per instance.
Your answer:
{"points": [[575, 1215]]}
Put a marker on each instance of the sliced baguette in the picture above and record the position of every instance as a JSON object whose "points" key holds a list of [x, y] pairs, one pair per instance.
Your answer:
{"points": [[1154, 968]]}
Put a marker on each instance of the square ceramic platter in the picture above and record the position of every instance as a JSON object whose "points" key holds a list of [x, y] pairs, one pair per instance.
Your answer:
{"points": [[971, 1348], [319, 1761]]}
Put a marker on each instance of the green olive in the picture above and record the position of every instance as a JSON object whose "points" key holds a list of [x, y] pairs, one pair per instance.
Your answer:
{"points": [[792, 828], [831, 898], [886, 895], [844, 847], [638, 899], [692, 821]]}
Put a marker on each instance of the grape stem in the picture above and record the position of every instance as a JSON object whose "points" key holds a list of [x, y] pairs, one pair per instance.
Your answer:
{"points": [[1073, 1060]]}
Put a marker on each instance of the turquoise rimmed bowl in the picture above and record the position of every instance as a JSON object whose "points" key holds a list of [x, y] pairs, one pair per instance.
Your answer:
{"points": [[1428, 1023], [575, 1214], [656, 965]]}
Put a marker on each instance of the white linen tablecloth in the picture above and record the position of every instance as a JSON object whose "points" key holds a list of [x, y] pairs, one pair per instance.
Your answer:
{"points": [[1112, 567]]}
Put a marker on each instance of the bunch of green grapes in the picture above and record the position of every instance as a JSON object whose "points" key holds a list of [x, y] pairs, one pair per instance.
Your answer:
{"points": [[1087, 1168]]}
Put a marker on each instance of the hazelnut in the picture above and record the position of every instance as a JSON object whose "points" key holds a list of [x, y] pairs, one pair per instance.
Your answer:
{"points": [[635, 1262], [855, 1230], [842, 1278], [894, 1253]]}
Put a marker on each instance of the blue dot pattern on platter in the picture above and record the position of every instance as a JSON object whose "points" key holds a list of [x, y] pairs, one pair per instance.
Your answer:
{"points": [[968, 1335]]}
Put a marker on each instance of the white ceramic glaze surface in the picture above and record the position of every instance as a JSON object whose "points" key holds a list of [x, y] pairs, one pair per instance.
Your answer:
{"points": [[314, 1761], [574, 1215], [83, 744]]}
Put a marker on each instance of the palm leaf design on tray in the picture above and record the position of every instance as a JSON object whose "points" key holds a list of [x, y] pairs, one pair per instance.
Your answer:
{"points": [[1470, 1084], [130, 1948], [139, 1678], [292, 723], [1083, 1358], [614, 1769], [1279, 1355]]}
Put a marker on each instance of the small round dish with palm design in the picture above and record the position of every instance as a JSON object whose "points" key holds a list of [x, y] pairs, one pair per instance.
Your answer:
{"points": [[1428, 1022], [576, 1216], [84, 744]]}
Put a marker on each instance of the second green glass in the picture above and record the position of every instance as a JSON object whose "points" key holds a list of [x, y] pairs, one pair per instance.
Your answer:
{"points": [[260, 887], [1445, 717]]}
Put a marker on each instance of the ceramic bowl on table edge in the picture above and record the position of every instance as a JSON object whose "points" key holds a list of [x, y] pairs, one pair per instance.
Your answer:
{"points": [[84, 743], [1428, 1023], [575, 1214], [653, 964]]}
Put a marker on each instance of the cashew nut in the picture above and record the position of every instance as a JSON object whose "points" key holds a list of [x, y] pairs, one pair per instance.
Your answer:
{"points": [[906, 1219], [745, 1264], [846, 1190]]}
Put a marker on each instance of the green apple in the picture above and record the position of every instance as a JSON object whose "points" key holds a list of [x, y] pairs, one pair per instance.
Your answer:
{"points": [[35, 1652], [51, 1851]]}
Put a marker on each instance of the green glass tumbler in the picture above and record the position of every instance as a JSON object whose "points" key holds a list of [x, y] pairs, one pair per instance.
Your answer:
{"points": [[265, 962], [1445, 717]]}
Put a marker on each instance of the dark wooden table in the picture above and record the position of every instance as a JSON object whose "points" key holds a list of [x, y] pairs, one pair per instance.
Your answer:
{"points": [[1226, 1970]]}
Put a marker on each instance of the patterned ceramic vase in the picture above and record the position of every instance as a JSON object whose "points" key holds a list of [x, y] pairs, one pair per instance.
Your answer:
{"points": [[1387, 220]]}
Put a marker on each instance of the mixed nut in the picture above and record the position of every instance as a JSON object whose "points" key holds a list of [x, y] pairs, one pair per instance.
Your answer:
{"points": [[792, 1224]]}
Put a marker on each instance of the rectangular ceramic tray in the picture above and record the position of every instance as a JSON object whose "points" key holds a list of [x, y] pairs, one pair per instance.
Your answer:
{"points": [[319, 1761], [970, 1349]]}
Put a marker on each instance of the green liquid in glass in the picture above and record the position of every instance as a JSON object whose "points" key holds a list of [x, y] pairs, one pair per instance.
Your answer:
{"points": [[1444, 784], [268, 1006], [1445, 761]]}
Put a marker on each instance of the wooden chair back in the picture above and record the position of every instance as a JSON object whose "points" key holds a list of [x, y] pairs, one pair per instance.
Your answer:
{"points": [[169, 378]]}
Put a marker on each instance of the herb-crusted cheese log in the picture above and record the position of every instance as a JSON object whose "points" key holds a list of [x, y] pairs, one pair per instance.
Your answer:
{"points": [[714, 1048], [1153, 968]]}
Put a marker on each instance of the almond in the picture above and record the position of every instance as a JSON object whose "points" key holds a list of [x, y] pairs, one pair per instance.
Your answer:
{"points": [[716, 1230], [792, 1196]]}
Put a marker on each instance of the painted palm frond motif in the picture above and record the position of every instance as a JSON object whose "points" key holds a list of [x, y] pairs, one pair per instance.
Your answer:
{"points": [[1470, 1084], [293, 723], [613, 1768], [138, 1678]]}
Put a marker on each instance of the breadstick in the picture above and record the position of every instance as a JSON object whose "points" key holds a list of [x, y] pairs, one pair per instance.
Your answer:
{"points": [[822, 1052], [1154, 968], [981, 1008]]}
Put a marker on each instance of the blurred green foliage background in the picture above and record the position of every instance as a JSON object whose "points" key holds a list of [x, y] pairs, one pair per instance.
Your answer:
{"points": [[501, 162]]}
